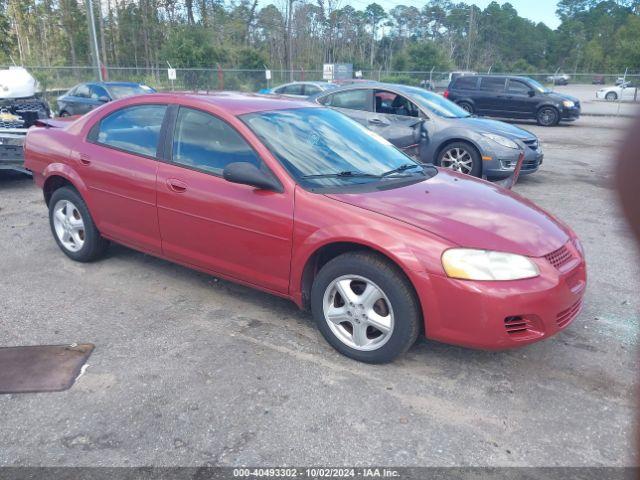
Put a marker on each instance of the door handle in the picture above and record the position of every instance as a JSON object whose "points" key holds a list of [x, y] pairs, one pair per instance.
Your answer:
{"points": [[85, 159], [176, 185], [377, 121]]}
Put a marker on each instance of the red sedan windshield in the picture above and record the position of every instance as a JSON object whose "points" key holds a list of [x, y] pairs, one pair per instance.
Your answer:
{"points": [[321, 147]]}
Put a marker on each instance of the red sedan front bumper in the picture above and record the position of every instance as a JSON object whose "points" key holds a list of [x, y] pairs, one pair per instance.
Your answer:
{"points": [[495, 315]]}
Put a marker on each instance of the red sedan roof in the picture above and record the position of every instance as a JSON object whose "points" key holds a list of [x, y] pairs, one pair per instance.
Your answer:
{"points": [[238, 103]]}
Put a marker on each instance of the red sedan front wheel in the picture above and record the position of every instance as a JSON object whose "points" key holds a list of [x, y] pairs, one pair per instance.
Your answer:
{"points": [[365, 307]]}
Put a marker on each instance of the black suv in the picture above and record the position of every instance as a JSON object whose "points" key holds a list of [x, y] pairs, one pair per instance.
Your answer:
{"points": [[512, 97]]}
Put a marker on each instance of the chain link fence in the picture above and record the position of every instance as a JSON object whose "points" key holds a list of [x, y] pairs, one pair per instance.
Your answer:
{"points": [[58, 78]]}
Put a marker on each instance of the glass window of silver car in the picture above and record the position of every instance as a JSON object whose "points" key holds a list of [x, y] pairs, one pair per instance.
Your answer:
{"points": [[398, 105], [354, 99], [98, 91], [430, 102], [82, 91]]}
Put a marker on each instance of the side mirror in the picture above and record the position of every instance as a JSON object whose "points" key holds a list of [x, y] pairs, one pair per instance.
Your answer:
{"points": [[247, 173], [532, 93], [103, 99]]}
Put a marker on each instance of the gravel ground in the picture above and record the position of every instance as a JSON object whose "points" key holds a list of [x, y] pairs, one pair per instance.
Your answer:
{"points": [[191, 370]]}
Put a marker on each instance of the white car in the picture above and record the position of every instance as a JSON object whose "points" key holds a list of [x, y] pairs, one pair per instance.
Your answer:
{"points": [[625, 91]]}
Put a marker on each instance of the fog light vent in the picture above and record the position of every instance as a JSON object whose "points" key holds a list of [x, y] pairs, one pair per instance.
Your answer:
{"points": [[516, 325]]}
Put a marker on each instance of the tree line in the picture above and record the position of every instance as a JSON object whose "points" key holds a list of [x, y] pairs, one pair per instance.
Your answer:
{"points": [[593, 36]]}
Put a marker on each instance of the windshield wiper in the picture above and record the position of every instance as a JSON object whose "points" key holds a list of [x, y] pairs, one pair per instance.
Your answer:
{"points": [[347, 173], [402, 168]]}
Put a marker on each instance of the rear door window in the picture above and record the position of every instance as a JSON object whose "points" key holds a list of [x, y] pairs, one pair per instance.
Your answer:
{"points": [[295, 89], [310, 89], [492, 84], [466, 83], [132, 129], [352, 99]]}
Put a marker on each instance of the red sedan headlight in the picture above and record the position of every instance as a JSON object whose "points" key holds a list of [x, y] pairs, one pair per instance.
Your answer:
{"points": [[472, 264]]}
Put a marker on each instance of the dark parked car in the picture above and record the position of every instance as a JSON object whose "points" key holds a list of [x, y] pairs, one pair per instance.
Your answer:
{"points": [[87, 96], [512, 97], [434, 130]]}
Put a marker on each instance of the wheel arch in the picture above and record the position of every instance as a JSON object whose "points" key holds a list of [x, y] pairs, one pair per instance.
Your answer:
{"points": [[466, 100], [57, 175], [328, 251], [549, 105], [462, 139]]}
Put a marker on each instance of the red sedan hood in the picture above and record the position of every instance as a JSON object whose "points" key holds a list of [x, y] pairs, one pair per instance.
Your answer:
{"points": [[468, 212]]}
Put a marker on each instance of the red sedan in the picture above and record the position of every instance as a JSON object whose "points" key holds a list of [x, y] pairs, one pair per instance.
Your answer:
{"points": [[300, 201]]}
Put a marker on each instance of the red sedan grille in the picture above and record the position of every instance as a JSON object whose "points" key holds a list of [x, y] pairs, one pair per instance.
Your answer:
{"points": [[565, 316], [559, 257]]}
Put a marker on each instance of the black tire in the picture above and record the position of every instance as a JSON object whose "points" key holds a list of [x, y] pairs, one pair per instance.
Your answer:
{"points": [[94, 245], [611, 97], [466, 106], [393, 283], [476, 168], [64, 114], [548, 116]]}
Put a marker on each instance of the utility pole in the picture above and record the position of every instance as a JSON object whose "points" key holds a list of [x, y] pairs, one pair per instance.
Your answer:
{"points": [[471, 25], [289, 39], [93, 39]]}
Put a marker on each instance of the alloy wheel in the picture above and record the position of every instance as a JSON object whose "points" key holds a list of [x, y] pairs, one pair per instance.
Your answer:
{"points": [[457, 159], [69, 225], [547, 116], [358, 312]]}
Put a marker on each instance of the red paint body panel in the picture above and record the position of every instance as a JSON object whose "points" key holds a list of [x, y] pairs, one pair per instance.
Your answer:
{"points": [[122, 188], [265, 239], [224, 227], [470, 212]]}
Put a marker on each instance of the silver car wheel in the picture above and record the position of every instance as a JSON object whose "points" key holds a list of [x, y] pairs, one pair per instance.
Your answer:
{"points": [[457, 159], [358, 312], [69, 226]]}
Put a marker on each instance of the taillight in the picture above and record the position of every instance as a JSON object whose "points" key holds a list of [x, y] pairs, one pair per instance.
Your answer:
{"points": [[446, 94]]}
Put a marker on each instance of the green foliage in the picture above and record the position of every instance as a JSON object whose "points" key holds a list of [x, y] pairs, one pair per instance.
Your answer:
{"points": [[402, 79], [594, 35], [250, 58], [423, 56], [627, 44], [193, 47]]}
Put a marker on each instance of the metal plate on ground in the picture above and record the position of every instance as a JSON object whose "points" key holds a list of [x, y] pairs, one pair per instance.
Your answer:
{"points": [[41, 368]]}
